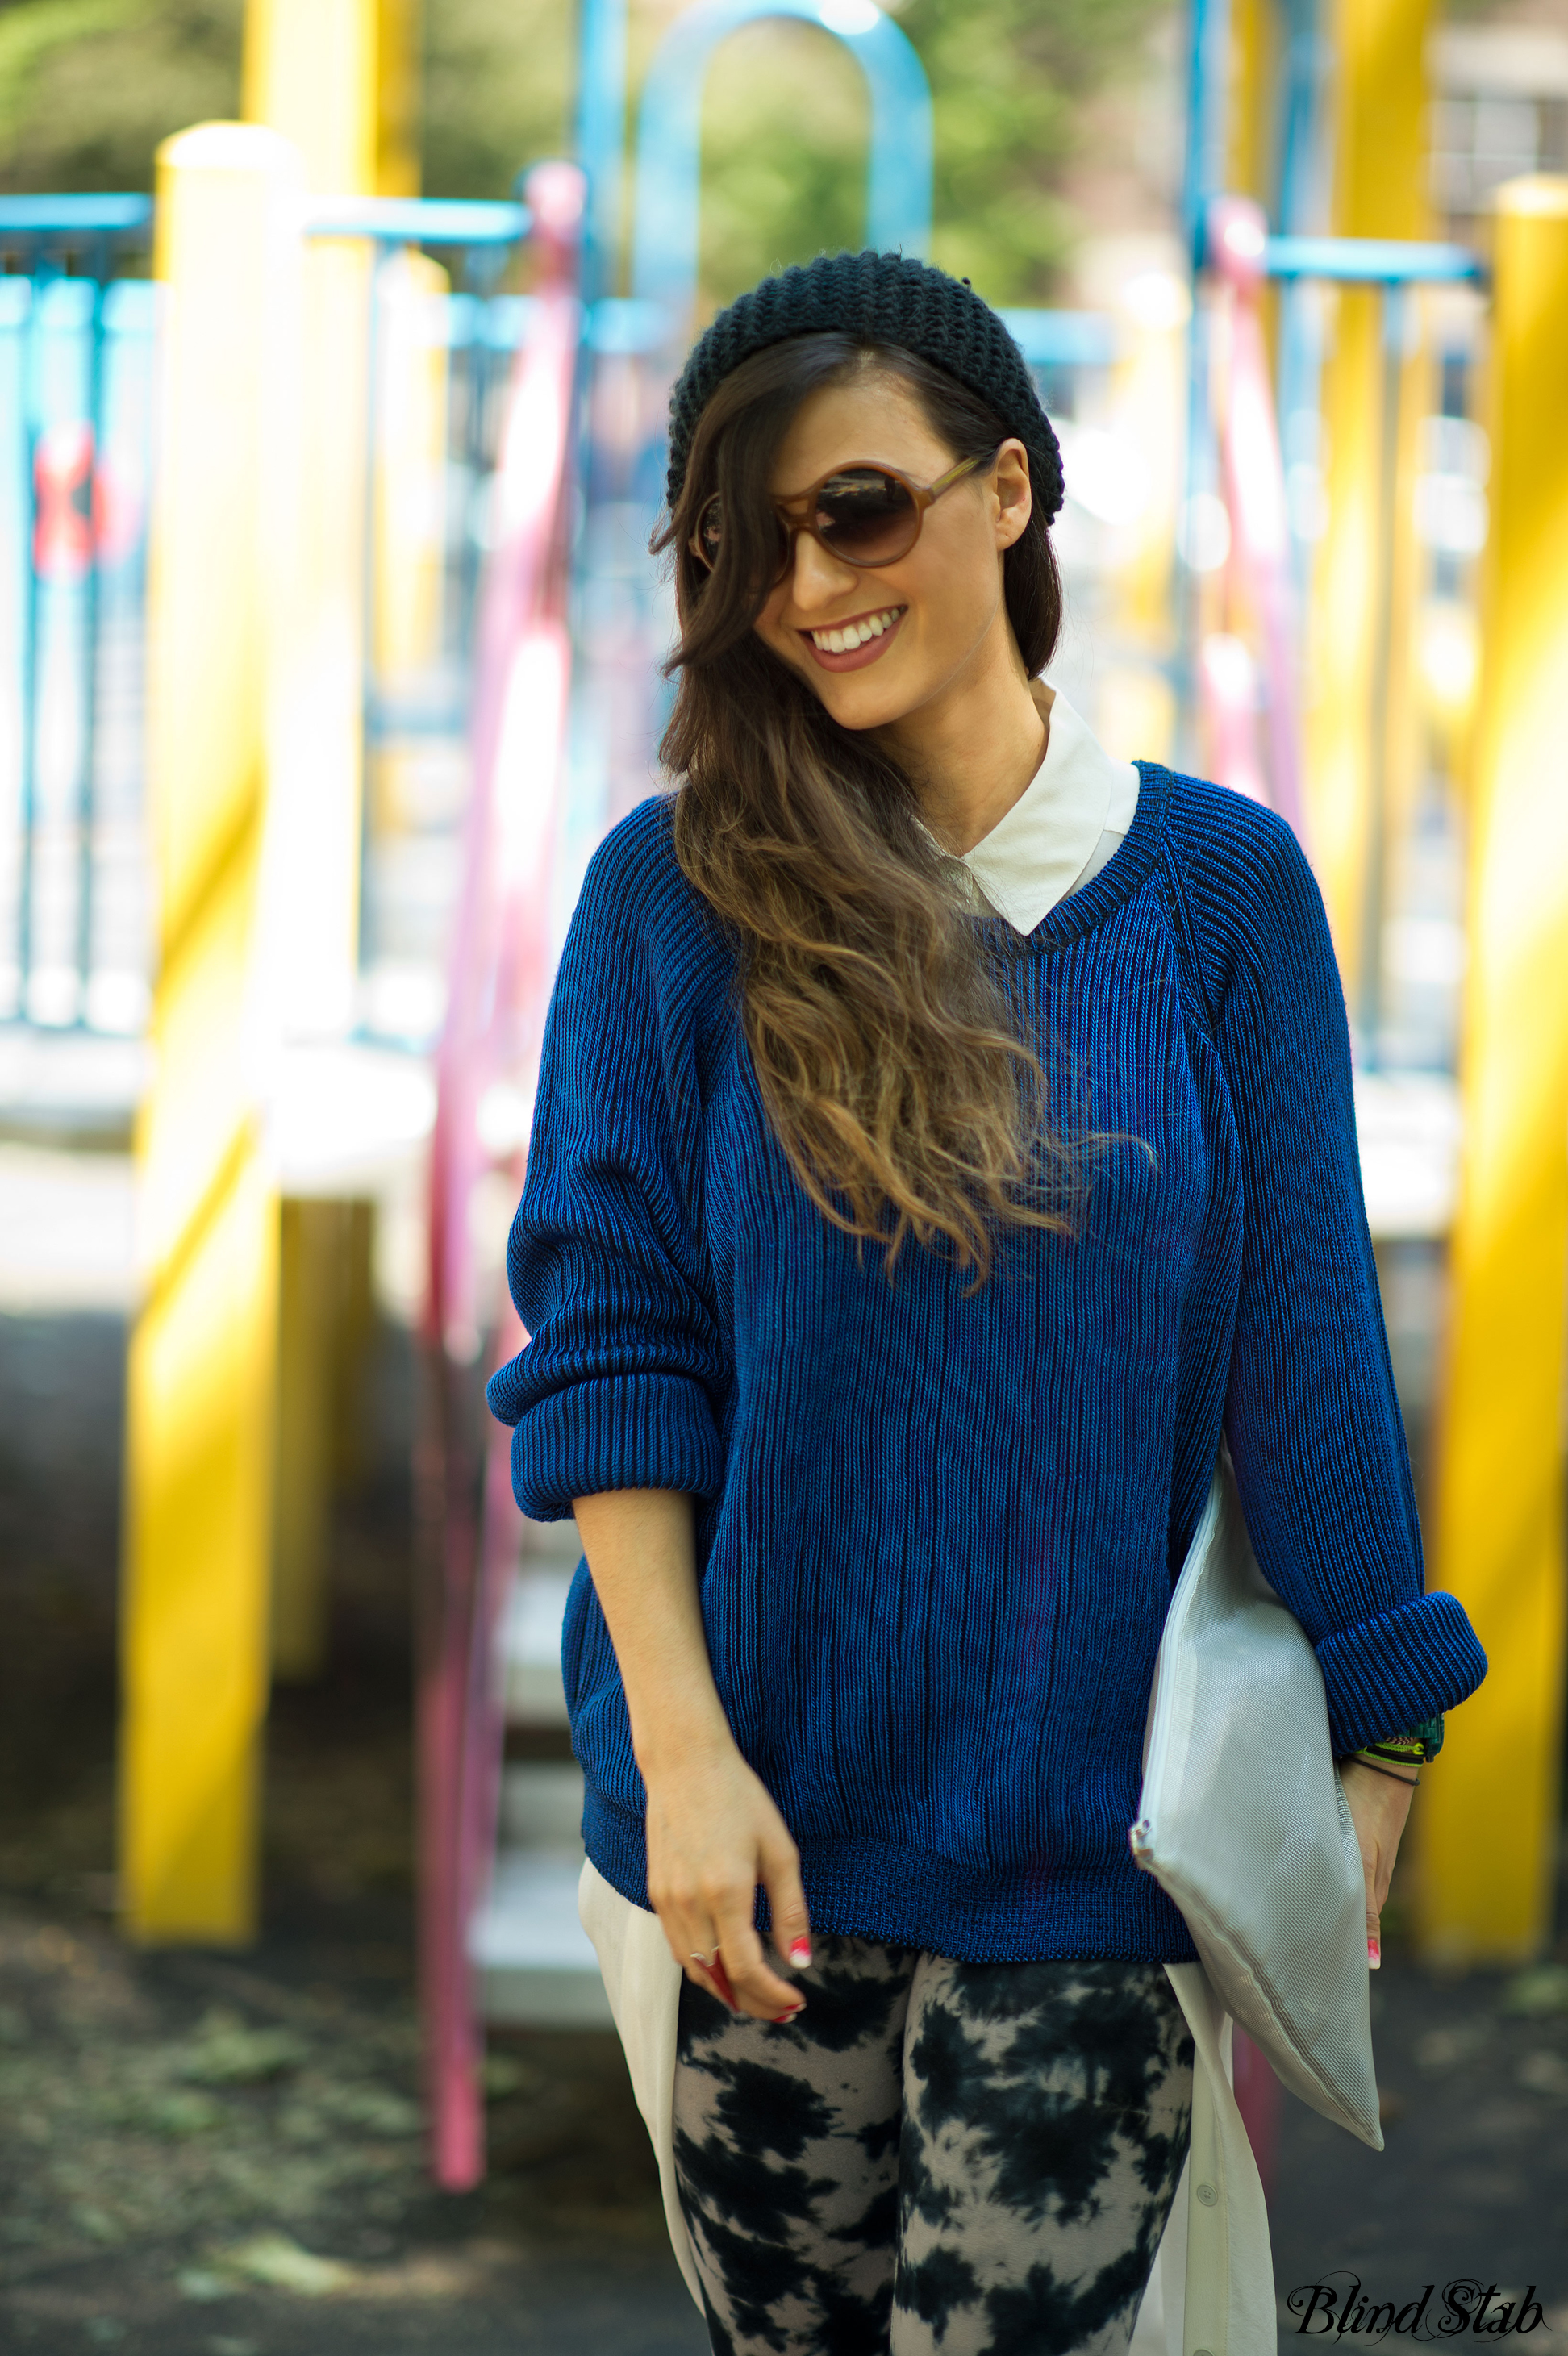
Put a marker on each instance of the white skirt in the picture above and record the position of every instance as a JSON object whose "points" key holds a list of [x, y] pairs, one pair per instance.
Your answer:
{"points": [[1212, 2289]]}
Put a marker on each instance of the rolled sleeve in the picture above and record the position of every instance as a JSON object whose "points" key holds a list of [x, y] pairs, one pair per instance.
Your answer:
{"points": [[1382, 1673], [621, 1381]]}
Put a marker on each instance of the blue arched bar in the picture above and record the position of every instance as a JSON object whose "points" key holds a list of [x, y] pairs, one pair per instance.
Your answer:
{"points": [[669, 138]]}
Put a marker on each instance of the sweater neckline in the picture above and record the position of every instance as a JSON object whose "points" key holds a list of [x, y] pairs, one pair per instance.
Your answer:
{"points": [[1110, 888]]}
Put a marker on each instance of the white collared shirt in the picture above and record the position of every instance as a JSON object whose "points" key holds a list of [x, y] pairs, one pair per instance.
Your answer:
{"points": [[1069, 821]]}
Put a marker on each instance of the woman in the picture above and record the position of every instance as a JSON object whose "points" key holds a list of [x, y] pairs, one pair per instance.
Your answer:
{"points": [[944, 1141]]}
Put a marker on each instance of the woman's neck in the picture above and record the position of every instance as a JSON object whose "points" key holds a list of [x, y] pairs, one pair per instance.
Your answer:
{"points": [[972, 750]]}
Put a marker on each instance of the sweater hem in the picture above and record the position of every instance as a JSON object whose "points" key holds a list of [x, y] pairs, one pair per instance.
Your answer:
{"points": [[909, 1897]]}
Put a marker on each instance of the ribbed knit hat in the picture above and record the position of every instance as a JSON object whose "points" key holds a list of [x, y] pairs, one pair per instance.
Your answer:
{"points": [[885, 298]]}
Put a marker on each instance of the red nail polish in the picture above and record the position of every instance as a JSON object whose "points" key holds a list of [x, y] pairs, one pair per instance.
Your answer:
{"points": [[800, 1952], [1374, 1956], [779, 2018]]}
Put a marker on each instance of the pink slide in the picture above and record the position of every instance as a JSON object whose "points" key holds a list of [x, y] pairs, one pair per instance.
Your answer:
{"points": [[499, 978]]}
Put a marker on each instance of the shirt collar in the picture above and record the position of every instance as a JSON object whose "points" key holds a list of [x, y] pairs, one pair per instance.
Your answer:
{"points": [[1035, 853]]}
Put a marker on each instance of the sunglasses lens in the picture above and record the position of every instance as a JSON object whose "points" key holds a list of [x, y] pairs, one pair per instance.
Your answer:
{"points": [[708, 539], [709, 534], [866, 517]]}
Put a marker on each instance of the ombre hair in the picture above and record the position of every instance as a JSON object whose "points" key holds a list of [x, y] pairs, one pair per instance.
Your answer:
{"points": [[880, 1034]]}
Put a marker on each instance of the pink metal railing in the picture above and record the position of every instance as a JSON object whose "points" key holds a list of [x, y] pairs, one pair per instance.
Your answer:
{"points": [[1257, 582], [1258, 594], [499, 977]]}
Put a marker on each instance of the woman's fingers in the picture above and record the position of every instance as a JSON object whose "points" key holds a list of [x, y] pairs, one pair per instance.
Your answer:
{"points": [[694, 1930], [757, 1987], [786, 1901], [1367, 1840], [714, 1833], [1379, 1805]]}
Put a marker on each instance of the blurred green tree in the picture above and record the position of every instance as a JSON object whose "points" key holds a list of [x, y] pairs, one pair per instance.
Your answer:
{"points": [[89, 86], [784, 129]]}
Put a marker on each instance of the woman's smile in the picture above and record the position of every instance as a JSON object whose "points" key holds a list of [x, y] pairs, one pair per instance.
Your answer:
{"points": [[851, 645]]}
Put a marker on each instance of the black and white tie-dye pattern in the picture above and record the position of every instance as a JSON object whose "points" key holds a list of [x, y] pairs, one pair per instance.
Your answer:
{"points": [[936, 2159]]}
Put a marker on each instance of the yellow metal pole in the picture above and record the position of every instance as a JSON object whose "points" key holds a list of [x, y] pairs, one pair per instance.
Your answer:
{"points": [[200, 1412], [1489, 1811], [399, 29], [308, 1282], [353, 1340], [1250, 121], [341, 78], [1358, 693], [311, 72], [409, 511], [310, 69], [326, 1323], [1144, 409], [409, 492]]}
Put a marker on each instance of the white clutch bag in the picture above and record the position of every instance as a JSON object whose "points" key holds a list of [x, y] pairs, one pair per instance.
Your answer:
{"points": [[1242, 1820]]}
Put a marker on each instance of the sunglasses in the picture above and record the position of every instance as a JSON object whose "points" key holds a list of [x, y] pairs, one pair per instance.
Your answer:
{"points": [[864, 515]]}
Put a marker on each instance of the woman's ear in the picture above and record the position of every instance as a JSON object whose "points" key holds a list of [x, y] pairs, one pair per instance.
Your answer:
{"points": [[1015, 497]]}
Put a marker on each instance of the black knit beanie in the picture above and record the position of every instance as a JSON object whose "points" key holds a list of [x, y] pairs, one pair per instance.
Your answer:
{"points": [[885, 298]]}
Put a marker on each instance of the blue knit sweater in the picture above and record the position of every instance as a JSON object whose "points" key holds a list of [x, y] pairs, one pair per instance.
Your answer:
{"points": [[936, 1536]]}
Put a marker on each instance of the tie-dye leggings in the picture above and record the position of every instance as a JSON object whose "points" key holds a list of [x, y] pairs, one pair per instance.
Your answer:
{"points": [[934, 2158]]}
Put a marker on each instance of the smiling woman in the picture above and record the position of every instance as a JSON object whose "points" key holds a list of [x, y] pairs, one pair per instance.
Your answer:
{"points": [[944, 1147]]}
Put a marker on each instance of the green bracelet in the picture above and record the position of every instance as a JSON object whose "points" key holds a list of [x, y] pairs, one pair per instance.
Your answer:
{"points": [[1414, 1750]]}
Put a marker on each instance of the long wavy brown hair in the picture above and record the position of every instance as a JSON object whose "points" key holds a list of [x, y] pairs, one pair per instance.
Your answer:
{"points": [[885, 1054]]}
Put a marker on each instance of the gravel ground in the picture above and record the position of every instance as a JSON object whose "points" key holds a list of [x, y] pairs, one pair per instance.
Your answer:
{"points": [[212, 2154]]}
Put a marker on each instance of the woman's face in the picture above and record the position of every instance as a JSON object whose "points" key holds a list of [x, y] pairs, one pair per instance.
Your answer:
{"points": [[940, 609]]}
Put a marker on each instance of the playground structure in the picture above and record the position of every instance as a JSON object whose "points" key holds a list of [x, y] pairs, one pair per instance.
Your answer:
{"points": [[400, 638]]}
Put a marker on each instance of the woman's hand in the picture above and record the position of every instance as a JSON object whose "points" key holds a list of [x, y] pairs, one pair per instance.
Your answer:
{"points": [[713, 1830], [1379, 1805], [714, 1833]]}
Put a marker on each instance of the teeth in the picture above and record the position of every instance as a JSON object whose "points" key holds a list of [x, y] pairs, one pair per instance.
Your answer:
{"points": [[855, 633]]}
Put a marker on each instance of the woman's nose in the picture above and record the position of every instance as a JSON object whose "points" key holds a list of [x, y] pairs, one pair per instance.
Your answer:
{"points": [[819, 577]]}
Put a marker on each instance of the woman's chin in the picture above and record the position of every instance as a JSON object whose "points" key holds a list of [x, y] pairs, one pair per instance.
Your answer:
{"points": [[859, 700], [875, 697]]}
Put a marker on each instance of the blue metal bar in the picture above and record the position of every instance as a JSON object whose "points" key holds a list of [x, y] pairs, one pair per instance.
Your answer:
{"points": [[1207, 86], [485, 371], [1302, 208], [625, 328], [1203, 175], [1063, 338], [366, 910], [1372, 261], [601, 138], [31, 665], [90, 216], [1303, 192], [1396, 320], [87, 779], [417, 220], [669, 138], [390, 720]]}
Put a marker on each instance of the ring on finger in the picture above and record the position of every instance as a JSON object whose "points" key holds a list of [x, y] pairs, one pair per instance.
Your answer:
{"points": [[707, 1961]]}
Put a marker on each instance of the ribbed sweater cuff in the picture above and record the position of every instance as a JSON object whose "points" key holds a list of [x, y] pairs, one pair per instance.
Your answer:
{"points": [[1389, 1674], [631, 1431]]}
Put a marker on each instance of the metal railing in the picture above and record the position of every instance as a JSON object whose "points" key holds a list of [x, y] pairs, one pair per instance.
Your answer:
{"points": [[75, 408], [78, 322], [1241, 253]]}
